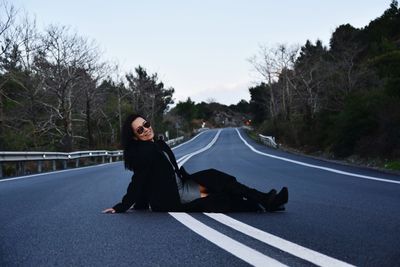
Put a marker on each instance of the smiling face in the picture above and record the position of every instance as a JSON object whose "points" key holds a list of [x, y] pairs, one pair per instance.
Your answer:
{"points": [[141, 131]]}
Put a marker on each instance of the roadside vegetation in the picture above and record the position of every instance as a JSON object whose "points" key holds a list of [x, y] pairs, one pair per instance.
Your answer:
{"points": [[341, 102]]}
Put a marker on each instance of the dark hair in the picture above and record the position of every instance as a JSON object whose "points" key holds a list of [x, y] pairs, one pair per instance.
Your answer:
{"points": [[127, 141]]}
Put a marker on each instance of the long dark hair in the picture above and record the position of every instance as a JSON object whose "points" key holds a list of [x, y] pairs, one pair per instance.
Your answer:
{"points": [[127, 141]]}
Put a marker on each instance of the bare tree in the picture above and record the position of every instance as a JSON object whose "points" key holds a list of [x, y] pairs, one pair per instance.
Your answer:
{"points": [[6, 24], [274, 64], [62, 62], [6, 36], [311, 72]]}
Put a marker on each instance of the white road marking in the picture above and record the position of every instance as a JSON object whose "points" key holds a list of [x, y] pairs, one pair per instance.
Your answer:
{"points": [[232, 246], [316, 166], [237, 248], [190, 140], [188, 156], [280, 243]]}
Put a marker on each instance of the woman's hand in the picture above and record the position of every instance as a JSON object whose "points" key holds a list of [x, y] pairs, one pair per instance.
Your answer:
{"points": [[110, 210]]}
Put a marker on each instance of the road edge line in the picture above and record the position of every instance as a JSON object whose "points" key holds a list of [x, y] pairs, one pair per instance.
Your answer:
{"points": [[316, 166]]}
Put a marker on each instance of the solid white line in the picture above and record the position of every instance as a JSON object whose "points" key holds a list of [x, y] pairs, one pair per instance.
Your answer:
{"points": [[282, 244], [232, 246], [240, 250], [55, 172], [316, 166], [188, 140], [188, 156]]}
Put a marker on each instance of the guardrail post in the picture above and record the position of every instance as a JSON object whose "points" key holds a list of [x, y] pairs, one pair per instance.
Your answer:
{"points": [[1, 170], [103, 159], [64, 164], [110, 159], [20, 168], [39, 166], [54, 165], [17, 168], [77, 163]]}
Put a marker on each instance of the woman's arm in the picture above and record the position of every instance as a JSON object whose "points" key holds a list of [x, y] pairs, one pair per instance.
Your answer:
{"points": [[128, 199], [138, 187]]}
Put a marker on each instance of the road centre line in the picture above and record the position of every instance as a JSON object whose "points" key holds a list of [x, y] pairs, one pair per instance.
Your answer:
{"points": [[190, 140], [316, 166], [188, 156], [241, 251], [280, 243], [228, 244]]}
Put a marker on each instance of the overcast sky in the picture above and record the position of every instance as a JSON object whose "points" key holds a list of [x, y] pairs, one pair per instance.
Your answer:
{"points": [[200, 47]]}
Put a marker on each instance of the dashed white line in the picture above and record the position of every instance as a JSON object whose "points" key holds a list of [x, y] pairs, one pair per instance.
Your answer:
{"points": [[316, 166]]}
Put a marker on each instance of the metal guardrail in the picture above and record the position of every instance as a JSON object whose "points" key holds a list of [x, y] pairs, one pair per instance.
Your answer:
{"points": [[174, 141], [21, 157], [268, 141], [35, 156]]}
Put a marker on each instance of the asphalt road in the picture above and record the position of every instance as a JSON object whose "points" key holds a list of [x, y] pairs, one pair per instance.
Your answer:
{"points": [[335, 216]]}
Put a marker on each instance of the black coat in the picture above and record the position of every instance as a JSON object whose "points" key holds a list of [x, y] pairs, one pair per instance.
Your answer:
{"points": [[154, 183], [153, 180]]}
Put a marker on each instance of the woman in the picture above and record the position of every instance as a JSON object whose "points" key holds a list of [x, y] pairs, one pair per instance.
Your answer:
{"points": [[157, 181]]}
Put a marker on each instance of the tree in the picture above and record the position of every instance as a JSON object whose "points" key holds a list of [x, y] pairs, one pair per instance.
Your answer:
{"points": [[148, 95], [310, 75], [188, 111], [62, 63], [242, 107], [260, 102], [6, 23], [273, 64]]}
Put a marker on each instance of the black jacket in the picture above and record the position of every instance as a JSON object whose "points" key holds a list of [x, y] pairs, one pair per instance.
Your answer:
{"points": [[153, 180]]}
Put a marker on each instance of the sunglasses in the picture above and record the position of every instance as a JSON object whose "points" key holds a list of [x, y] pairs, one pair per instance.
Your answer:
{"points": [[140, 129]]}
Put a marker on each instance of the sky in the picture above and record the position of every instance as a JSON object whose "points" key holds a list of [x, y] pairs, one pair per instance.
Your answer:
{"points": [[200, 48]]}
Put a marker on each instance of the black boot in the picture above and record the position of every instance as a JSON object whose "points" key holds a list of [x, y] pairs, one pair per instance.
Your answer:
{"points": [[267, 200], [264, 199], [277, 204]]}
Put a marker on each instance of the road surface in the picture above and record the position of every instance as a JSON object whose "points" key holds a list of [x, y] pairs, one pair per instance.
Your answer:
{"points": [[336, 216]]}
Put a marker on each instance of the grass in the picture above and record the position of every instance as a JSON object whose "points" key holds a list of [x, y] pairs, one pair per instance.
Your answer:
{"points": [[393, 165]]}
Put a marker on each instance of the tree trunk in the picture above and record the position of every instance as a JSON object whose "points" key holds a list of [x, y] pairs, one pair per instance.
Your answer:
{"points": [[89, 124]]}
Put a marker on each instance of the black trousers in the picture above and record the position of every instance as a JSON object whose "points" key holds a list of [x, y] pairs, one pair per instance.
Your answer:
{"points": [[225, 194]]}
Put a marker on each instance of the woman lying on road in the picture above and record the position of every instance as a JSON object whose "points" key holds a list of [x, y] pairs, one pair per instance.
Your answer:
{"points": [[159, 182]]}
